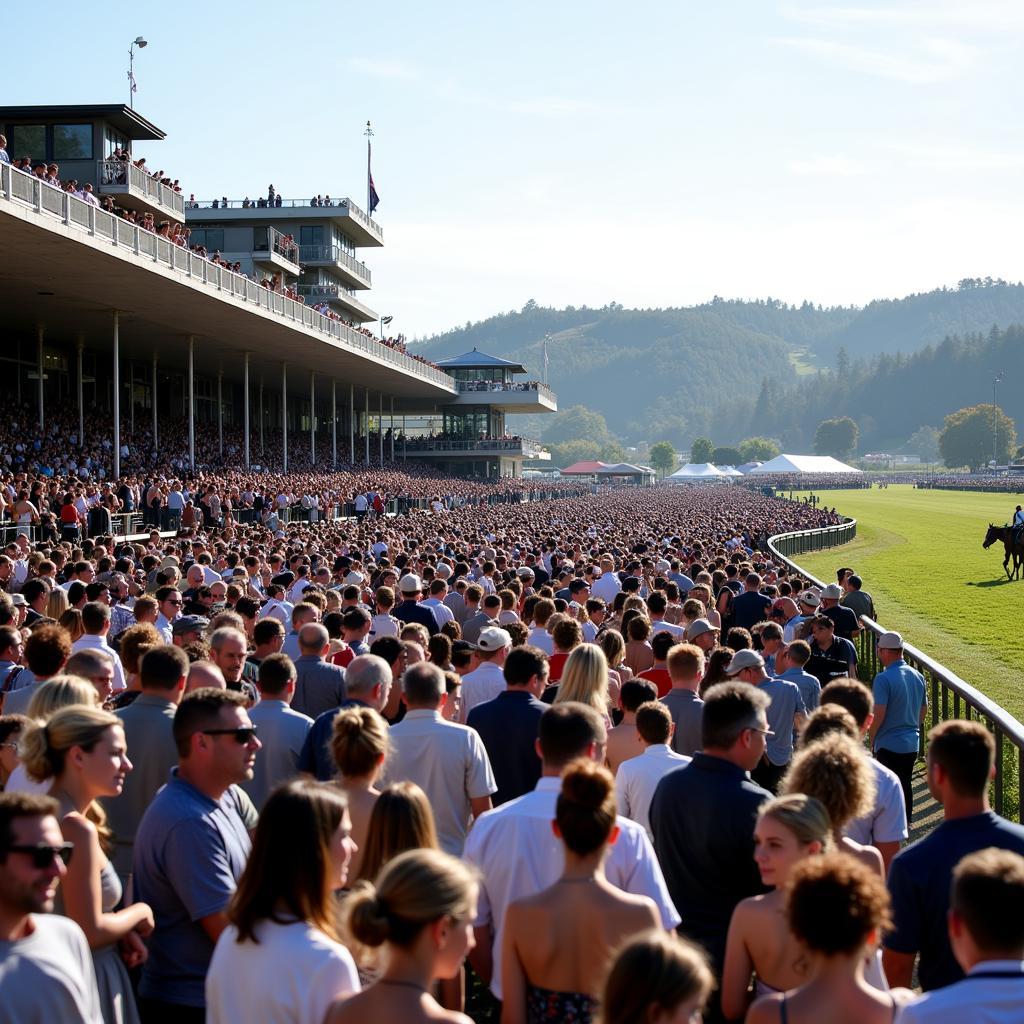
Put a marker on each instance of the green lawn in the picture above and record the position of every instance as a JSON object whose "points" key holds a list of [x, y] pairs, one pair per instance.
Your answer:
{"points": [[920, 556]]}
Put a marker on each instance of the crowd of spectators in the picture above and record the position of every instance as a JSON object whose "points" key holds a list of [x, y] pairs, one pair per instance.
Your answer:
{"points": [[384, 769]]}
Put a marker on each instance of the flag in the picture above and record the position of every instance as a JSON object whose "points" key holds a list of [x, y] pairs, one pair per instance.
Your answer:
{"points": [[374, 199], [131, 79], [545, 360]]}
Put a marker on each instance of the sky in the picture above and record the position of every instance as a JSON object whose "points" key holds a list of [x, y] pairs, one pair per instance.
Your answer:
{"points": [[580, 153]]}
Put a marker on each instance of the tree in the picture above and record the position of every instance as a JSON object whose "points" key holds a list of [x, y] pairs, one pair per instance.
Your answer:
{"points": [[662, 456], [576, 423], [968, 436], [924, 443], [726, 456], [837, 437], [701, 450], [759, 449]]}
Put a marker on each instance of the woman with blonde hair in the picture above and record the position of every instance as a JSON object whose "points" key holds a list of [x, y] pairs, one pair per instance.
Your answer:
{"points": [[836, 771], [56, 604], [282, 942], [657, 978], [359, 745], [82, 749], [421, 909], [401, 820], [585, 679], [71, 622], [58, 692], [788, 830], [582, 911], [614, 647]]}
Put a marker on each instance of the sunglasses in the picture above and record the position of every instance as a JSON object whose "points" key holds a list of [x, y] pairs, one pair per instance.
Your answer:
{"points": [[243, 735], [42, 855]]}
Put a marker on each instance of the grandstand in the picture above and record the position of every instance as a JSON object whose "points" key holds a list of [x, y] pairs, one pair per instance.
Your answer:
{"points": [[123, 298]]}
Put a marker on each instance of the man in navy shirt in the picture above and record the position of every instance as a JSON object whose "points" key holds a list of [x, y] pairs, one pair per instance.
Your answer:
{"points": [[190, 850], [508, 724], [961, 760], [751, 606], [410, 610], [703, 815]]}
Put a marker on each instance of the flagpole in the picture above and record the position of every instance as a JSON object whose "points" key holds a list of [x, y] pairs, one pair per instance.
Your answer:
{"points": [[369, 135]]}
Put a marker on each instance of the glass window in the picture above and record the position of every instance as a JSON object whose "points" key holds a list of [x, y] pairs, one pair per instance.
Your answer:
{"points": [[260, 239], [212, 238], [311, 234], [28, 140], [72, 142], [111, 141]]}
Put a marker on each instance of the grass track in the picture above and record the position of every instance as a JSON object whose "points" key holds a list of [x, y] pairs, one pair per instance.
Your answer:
{"points": [[920, 555]]}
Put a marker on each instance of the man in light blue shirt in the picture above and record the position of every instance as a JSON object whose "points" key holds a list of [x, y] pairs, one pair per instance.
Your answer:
{"points": [[794, 657], [901, 701]]}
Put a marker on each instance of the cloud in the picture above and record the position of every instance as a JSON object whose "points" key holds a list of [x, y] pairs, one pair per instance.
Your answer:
{"points": [[828, 167], [996, 16], [952, 157], [377, 67], [938, 60]]}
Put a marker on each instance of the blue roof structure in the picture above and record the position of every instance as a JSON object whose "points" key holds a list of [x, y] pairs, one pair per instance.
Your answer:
{"points": [[479, 361]]}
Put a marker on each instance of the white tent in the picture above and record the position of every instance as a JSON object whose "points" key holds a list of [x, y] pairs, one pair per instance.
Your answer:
{"points": [[729, 471], [795, 464], [747, 467], [695, 471]]}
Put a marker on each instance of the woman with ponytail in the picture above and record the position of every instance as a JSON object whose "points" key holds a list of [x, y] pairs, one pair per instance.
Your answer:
{"points": [[557, 944], [421, 909], [82, 749]]}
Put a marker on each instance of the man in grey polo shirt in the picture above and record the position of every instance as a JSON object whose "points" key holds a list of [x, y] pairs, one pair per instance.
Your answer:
{"points": [[319, 685], [447, 761], [190, 851], [282, 730], [148, 731], [685, 664], [786, 714]]}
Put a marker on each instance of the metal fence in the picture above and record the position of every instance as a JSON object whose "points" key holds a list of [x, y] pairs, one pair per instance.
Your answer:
{"points": [[949, 696]]}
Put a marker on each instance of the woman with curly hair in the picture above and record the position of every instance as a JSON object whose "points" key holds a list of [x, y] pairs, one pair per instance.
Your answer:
{"points": [[836, 772], [838, 910]]}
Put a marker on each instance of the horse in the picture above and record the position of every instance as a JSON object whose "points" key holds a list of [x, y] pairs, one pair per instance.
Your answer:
{"points": [[1012, 549]]}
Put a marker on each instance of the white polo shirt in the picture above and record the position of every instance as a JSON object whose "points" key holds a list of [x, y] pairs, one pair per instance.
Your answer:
{"points": [[606, 587], [992, 993], [449, 763], [886, 822], [519, 855], [540, 638], [481, 685], [638, 778]]}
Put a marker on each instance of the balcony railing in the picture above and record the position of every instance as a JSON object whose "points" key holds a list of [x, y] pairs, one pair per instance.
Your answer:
{"points": [[949, 695], [276, 242], [334, 254], [124, 176], [502, 444], [35, 194], [513, 387], [279, 203]]}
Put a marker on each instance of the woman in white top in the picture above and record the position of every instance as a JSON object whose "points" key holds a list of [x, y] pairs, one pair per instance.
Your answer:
{"points": [[279, 961]]}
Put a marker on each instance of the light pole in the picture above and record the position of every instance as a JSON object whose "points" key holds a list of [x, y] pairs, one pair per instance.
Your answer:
{"points": [[132, 88], [995, 419], [385, 321]]}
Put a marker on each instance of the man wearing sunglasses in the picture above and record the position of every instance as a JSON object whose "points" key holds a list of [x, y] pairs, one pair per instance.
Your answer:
{"points": [[190, 850], [46, 971]]}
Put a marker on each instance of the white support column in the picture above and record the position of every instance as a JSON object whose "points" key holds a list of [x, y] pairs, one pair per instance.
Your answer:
{"points": [[220, 411], [312, 417], [245, 407], [192, 402], [380, 425], [391, 424], [117, 395], [152, 402], [284, 415], [351, 423], [80, 346], [366, 426], [334, 424], [40, 331]]}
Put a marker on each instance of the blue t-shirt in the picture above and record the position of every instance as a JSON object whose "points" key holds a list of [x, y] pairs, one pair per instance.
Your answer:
{"points": [[786, 703], [919, 883], [901, 689], [189, 854]]}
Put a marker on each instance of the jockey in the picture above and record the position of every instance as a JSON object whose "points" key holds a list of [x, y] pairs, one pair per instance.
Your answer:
{"points": [[1018, 524]]}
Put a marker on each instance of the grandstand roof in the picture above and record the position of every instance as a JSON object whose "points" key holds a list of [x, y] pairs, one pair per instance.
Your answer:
{"points": [[479, 360], [584, 468], [129, 121], [802, 464]]}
